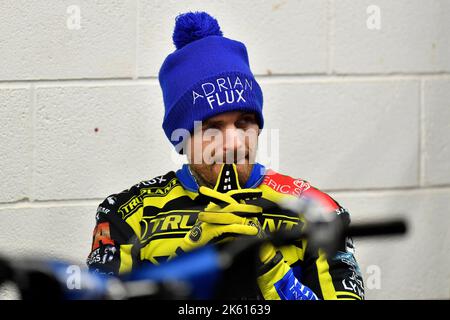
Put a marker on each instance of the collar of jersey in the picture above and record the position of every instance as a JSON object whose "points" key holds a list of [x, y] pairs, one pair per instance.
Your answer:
{"points": [[188, 180]]}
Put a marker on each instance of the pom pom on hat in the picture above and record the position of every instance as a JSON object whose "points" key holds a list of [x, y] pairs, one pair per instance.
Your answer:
{"points": [[192, 26]]}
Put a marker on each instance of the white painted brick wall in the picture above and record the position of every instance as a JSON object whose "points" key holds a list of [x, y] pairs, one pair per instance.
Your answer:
{"points": [[70, 153], [49, 230], [413, 267], [436, 121], [413, 37], [347, 134], [364, 114], [274, 47], [15, 147], [36, 43]]}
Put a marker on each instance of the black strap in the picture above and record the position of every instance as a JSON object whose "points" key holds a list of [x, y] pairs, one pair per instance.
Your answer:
{"points": [[271, 264]]}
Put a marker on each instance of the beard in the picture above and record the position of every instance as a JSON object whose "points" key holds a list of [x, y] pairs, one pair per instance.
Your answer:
{"points": [[208, 171], [207, 174]]}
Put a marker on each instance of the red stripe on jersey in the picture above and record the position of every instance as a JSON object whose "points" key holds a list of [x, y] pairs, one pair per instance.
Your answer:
{"points": [[298, 187], [285, 184], [322, 198]]}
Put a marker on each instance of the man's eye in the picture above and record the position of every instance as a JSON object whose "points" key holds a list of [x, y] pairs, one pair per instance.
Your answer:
{"points": [[210, 126], [246, 121], [211, 130]]}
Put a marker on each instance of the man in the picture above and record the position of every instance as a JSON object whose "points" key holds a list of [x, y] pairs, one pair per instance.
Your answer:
{"points": [[213, 103]]}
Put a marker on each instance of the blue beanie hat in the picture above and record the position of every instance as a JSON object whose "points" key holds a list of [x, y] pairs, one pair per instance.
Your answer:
{"points": [[207, 75]]}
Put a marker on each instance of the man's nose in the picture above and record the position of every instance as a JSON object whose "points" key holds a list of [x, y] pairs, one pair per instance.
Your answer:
{"points": [[233, 139]]}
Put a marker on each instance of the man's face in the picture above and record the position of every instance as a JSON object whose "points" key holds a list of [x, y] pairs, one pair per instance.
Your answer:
{"points": [[230, 137]]}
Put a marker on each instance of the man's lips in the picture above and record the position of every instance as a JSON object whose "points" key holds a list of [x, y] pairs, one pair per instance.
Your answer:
{"points": [[235, 161]]}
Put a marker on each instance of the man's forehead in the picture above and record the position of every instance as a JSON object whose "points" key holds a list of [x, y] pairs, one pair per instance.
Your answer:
{"points": [[226, 116]]}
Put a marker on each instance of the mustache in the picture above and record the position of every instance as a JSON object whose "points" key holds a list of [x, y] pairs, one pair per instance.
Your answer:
{"points": [[234, 156]]}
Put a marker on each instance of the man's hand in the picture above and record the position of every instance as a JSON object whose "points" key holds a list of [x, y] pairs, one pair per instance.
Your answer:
{"points": [[233, 200], [220, 223], [213, 227], [236, 212], [276, 279]]}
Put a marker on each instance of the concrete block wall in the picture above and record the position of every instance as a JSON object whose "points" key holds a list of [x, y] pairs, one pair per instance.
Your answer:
{"points": [[361, 113]]}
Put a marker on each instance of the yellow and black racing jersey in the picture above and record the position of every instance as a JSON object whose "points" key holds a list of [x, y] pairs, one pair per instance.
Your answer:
{"points": [[147, 222]]}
